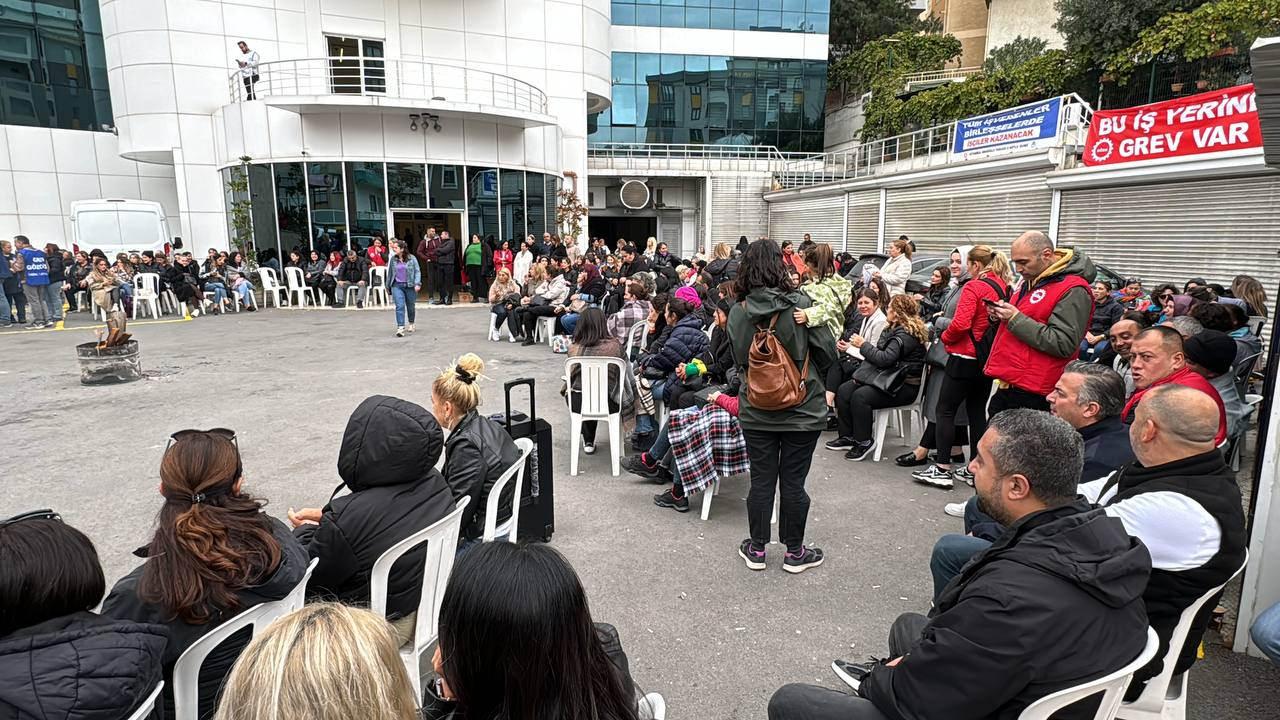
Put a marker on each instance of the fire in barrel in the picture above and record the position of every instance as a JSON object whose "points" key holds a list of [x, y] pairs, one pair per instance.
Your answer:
{"points": [[113, 358]]}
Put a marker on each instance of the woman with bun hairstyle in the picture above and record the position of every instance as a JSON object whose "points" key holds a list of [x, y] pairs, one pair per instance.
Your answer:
{"points": [[214, 554], [478, 450]]}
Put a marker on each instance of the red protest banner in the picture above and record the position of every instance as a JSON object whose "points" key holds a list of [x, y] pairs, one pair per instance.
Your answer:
{"points": [[1208, 122]]}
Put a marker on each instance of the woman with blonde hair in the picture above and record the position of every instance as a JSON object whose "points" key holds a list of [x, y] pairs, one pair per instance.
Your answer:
{"points": [[889, 376], [323, 662], [504, 297], [1248, 289], [650, 247], [478, 450], [897, 270], [963, 382]]}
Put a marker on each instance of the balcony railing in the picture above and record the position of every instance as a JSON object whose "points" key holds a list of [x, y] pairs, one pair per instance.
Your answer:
{"points": [[380, 77], [648, 156], [930, 147], [934, 78]]}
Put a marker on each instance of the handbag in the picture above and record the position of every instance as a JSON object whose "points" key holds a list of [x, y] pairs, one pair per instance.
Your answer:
{"points": [[937, 354], [887, 380]]}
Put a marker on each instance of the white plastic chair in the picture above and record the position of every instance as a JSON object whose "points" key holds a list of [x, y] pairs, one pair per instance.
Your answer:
{"points": [[637, 337], [508, 528], [84, 301], [1165, 697], [100, 313], [146, 289], [1111, 686], [442, 545], [299, 293], [271, 290], [594, 380], [882, 420], [298, 596], [714, 489], [652, 707], [545, 329], [186, 672], [149, 705], [378, 292]]}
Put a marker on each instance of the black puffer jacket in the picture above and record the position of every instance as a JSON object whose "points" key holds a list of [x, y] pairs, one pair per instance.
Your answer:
{"points": [[686, 342], [79, 667], [896, 347], [124, 603], [723, 270], [387, 460], [479, 451], [1057, 599]]}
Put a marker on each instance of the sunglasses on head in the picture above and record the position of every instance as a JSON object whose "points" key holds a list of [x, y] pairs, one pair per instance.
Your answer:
{"points": [[45, 514], [224, 433]]}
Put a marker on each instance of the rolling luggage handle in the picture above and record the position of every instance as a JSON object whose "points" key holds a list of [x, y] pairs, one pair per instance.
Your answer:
{"points": [[534, 489]]}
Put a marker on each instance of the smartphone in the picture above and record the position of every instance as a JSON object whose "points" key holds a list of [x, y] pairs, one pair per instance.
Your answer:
{"points": [[990, 302]]}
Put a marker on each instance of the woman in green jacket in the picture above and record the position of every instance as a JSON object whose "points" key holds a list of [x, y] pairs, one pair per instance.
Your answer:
{"points": [[473, 259], [780, 443]]}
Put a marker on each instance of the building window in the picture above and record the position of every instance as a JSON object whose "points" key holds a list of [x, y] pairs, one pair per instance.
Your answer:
{"points": [[811, 16], [54, 67], [356, 66]]}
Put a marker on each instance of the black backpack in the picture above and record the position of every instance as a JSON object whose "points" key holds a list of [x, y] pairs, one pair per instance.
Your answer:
{"points": [[982, 345]]}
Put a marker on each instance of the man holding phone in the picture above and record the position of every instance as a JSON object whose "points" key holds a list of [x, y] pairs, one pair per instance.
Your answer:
{"points": [[1041, 328]]}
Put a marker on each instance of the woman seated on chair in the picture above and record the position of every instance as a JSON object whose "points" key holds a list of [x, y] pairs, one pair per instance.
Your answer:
{"points": [[215, 282], [103, 285], [387, 460], [376, 255], [352, 272], [53, 648], [888, 376], [635, 310], [294, 669], [864, 319], [517, 640], [296, 261], [184, 279], [237, 273], [214, 554], [314, 276], [124, 272], [591, 338], [548, 291], [332, 268], [504, 298], [656, 371], [588, 292], [478, 451]]}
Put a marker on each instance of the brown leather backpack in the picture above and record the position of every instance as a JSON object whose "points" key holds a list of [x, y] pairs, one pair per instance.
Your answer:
{"points": [[773, 383]]}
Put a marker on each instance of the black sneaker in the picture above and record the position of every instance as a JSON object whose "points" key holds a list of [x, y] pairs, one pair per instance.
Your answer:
{"points": [[832, 422], [808, 557], [636, 465], [751, 556], [35, 325], [934, 476], [529, 341], [963, 475], [860, 450], [841, 443], [641, 442], [910, 460], [668, 499], [853, 673]]}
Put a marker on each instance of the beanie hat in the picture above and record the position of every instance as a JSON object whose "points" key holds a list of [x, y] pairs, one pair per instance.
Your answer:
{"points": [[1213, 350], [689, 295]]}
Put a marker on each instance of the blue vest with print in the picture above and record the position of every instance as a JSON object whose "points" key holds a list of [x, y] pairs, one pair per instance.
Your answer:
{"points": [[37, 266]]}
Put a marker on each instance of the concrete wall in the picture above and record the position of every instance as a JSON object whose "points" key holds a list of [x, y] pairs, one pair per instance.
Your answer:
{"points": [[1007, 19], [843, 126], [43, 171], [967, 20]]}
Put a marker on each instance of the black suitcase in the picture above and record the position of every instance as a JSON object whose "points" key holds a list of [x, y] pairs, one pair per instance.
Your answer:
{"points": [[537, 499]]}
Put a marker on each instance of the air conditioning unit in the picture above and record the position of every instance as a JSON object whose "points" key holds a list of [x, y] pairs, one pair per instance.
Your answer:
{"points": [[595, 199], [634, 195]]}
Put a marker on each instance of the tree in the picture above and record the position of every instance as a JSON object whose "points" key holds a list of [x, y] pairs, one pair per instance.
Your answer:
{"points": [[854, 23], [1200, 33], [888, 59], [1014, 53], [241, 209], [1095, 30]]}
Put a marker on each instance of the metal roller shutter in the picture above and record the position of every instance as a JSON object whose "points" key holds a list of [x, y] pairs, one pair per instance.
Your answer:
{"points": [[1169, 232], [864, 222], [820, 217], [738, 208], [992, 210]]}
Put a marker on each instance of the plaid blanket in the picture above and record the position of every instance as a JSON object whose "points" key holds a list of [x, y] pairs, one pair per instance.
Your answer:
{"points": [[707, 443]]}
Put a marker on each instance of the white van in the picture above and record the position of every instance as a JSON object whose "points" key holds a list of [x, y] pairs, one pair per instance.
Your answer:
{"points": [[117, 225]]}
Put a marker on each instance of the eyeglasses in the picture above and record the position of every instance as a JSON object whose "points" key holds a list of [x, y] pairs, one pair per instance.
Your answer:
{"points": [[224, 433], [45, 514]]}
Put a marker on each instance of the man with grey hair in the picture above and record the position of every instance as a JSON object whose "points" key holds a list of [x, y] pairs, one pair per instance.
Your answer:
{"points": [[1042, 325], [1055, 601], [1187, 326]]}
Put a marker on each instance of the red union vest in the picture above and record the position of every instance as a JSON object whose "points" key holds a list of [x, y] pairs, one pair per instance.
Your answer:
{"points": [[1021, 365]]}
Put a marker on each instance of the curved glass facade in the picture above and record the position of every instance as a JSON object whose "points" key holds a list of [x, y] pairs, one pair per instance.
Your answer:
{"points": [[329, 206], [54, 65], [714, 99], [810, 16]]}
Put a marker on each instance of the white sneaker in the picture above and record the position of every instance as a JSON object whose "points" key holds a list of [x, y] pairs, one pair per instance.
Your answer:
{"points": [[954, 509], [409, 327], [512, 338], [934, 476], [399, 332], [588, 447]]}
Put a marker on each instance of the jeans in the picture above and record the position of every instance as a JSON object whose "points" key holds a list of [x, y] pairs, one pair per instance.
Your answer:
{"points": [[18, 306], [568, 322], [219, 293], [1010, 398], [35, 301], [404, 297], [810, 702], [780, 463], [53, 300], [6, 312], [1089, 352], [856, 402], [245, 291], [972, 393], [951, 553], [1265, 632]]}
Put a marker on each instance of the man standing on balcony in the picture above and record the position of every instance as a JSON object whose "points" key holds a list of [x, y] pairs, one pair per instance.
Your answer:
{"points": [[248, 68]]}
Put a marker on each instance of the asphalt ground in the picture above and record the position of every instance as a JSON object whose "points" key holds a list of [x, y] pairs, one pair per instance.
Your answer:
{"points": [[713, 637]]}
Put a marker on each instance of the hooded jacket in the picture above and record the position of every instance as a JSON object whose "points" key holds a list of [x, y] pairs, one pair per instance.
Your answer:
{"points": [[387, 460], [124, 603], [756, 311], [1029, 354], [1056, 600], [479, 451], [80, 666], [686, 342]]}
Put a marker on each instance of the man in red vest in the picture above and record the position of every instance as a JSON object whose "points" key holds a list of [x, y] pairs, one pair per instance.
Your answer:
{"points": [[1158, 359], [1041, 329]]}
